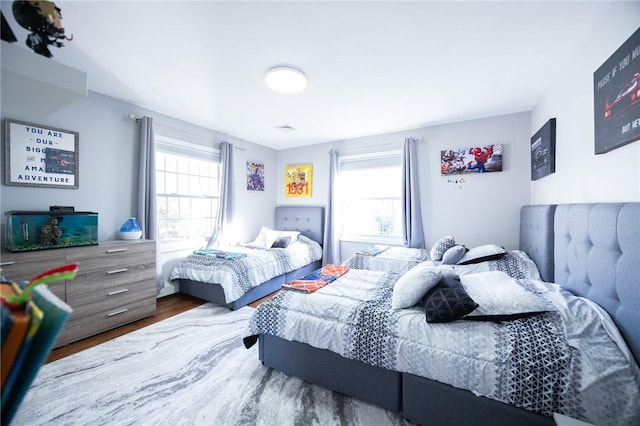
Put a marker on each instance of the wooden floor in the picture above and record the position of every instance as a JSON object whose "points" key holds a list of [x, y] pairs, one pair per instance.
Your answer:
{"points": [[166, 307]]}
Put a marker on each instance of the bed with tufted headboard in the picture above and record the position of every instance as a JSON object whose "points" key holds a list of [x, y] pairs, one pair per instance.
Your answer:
{"points": [[307, 220], [591, 250]]}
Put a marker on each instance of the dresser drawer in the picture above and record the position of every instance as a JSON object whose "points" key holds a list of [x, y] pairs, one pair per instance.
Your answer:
{"points": [[26, 265], [109, 299], [112, 256], [122, 275], [81, 327]]}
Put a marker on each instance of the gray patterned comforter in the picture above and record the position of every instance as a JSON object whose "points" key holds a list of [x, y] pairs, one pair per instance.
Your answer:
{"points": [[567, 360], [237, 276]]}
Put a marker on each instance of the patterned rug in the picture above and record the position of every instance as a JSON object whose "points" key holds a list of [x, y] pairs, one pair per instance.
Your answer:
{"points": [[191, 369]]}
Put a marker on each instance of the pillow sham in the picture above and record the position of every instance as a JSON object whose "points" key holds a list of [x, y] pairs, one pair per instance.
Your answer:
{"points": [[265, 239], [482, 253], [442, 245], [447, 301], [500, 297], [411, 287], [453, 255]]}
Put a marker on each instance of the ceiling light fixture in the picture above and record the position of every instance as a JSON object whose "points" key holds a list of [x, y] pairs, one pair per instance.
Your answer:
{"points": [[286, 79], [286, 128]]}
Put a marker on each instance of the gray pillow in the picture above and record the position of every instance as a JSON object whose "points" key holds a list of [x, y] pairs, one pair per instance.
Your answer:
{"points": [[442, 245], [453, 255]]}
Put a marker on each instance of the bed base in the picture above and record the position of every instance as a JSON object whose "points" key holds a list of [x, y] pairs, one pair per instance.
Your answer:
{"points": [[214, 293], [420, 400]]}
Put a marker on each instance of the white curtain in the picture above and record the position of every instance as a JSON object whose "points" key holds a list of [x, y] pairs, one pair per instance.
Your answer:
{"points": [[330, 243], [225, 202], [412, 232], [147, 191]]}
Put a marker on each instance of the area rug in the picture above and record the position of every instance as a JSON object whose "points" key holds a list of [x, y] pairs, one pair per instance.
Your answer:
{"points": [[190, 369]]}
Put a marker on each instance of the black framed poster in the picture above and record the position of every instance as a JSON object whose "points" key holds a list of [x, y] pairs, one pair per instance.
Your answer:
{"points": [[38, 155], [543, 151], [616, 94]]}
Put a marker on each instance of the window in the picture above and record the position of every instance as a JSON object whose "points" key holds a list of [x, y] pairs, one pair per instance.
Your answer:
{"points": [[186, 189], [370, 193]]}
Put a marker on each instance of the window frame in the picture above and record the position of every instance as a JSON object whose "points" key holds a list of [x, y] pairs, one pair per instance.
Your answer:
{"points": [[376, 160], [168, 145]]}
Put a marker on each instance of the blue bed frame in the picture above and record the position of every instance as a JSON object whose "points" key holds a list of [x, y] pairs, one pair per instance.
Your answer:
{"points": [[308, 220], [590, 249]]}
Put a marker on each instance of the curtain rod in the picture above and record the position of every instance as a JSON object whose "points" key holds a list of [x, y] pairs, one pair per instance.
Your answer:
{"points": [[374, 146], [137, 119]]}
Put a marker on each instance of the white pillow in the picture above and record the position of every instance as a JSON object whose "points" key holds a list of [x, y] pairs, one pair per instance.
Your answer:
{"points": [[413, 285], [500, 297], [265, 238]]}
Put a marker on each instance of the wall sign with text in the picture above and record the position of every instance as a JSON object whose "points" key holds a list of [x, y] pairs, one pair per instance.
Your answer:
{"points": [[616, 93], [38, 155]]}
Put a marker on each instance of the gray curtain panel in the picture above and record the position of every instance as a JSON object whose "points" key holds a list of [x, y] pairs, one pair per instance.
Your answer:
{"points": [[147, 191], [412, 232], [330, 245], [225, 202]]}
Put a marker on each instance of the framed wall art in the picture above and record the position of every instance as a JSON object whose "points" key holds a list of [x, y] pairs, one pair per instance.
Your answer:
{"points": [[474, 159], [41, 156], [616, 95], [543, 151], [255, 176], [298, 180]]}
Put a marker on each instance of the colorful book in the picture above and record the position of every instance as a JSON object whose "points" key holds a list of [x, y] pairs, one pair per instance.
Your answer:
{"points": [[6, 321], [55, 315], [36, 317], [15, 337], [220, 254]]}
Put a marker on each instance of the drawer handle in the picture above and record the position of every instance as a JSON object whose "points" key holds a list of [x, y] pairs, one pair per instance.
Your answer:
{"points": [[121, 311], [113, 293], [117, 271], [118, 250], [7, 263]]}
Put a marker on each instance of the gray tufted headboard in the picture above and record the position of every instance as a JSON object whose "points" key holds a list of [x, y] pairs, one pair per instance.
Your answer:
{"points": [[597, 256], [592, 250], [308, 220], [536, 236]]}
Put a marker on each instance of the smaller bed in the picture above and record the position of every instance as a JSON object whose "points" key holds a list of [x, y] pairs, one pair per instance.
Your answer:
{"points": [[236, 282]]}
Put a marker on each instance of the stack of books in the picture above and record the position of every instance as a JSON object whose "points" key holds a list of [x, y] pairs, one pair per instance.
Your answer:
{"points": [[29, 330]]}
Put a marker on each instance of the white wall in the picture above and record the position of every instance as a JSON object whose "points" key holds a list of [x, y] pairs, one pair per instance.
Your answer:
{"points": [[108, 167], [482, 209], [582, 176]]}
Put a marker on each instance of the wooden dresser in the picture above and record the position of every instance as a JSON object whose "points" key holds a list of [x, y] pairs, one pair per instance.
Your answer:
{"points": [[115, 283]]}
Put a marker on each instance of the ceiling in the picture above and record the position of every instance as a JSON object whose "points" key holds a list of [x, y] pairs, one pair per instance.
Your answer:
{"points": [[373, 67]]}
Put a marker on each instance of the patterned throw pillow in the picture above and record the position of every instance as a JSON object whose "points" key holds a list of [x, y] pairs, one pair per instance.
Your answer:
{"points": [[447, 301], [442, 245]]}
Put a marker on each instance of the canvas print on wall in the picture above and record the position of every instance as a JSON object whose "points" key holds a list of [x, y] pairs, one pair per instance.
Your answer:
{"points": [[543, 151], [298, 180], [475, 159], [616, 94], [255, 176]]}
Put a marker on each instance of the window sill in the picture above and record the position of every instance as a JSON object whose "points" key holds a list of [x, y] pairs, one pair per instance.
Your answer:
{"points": [[372, 239]]}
